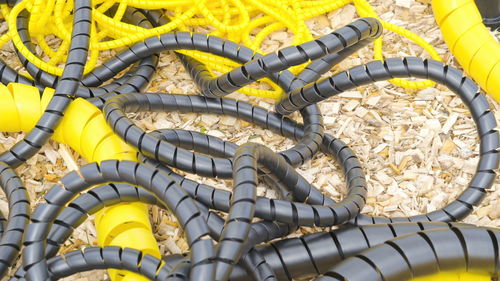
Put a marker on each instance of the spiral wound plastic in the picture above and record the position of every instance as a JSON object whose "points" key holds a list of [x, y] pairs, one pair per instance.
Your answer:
{"points": [[235, 20], [470, 41], [130, 168]]}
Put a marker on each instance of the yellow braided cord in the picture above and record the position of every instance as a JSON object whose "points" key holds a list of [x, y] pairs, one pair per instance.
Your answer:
{"points": [[247, 22]]}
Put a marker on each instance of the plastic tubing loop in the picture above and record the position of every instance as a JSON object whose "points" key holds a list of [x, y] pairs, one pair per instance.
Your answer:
{"points": [[470, 41], [164, 188], [187, 14], [184, 159], [296, 155], [309, 208], [170, 154], [467, 90]]}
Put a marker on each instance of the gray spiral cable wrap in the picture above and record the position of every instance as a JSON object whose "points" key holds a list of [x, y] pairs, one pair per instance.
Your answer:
{"points": [[19, 210]]}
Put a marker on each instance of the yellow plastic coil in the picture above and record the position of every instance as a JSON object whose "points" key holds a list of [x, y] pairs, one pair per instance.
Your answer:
{"points": [[248, 22], [470, 41]]}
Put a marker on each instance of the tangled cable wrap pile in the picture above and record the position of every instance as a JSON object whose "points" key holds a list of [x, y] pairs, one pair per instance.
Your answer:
{"points": [[130, 165]]}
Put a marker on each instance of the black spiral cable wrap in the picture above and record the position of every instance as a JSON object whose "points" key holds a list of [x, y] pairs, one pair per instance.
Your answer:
{"points": [[464, 87], [236, 247], [164, 188], [19, 211]]}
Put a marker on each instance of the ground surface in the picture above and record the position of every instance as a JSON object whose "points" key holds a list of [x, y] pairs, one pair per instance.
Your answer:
{"points": [[418, 148]]}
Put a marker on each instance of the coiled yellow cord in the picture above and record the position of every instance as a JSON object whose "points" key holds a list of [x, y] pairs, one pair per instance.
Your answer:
{"points": [[248, 22]]}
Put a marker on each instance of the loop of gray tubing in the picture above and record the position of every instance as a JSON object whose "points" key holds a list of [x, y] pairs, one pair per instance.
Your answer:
{"points": [[454, 79], [340, 40], [153, 147], [310, 206], [164, 188]]}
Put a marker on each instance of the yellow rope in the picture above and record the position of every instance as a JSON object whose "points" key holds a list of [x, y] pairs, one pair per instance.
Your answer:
{"points": [[248, 22]]}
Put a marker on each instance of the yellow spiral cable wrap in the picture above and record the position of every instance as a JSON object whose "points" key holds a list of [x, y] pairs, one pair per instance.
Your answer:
{"points": [[248, 22]]}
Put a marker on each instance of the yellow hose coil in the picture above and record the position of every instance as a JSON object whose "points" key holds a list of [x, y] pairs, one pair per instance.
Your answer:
{"points": [[470, 41], [248, 22], [85, 130]]}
